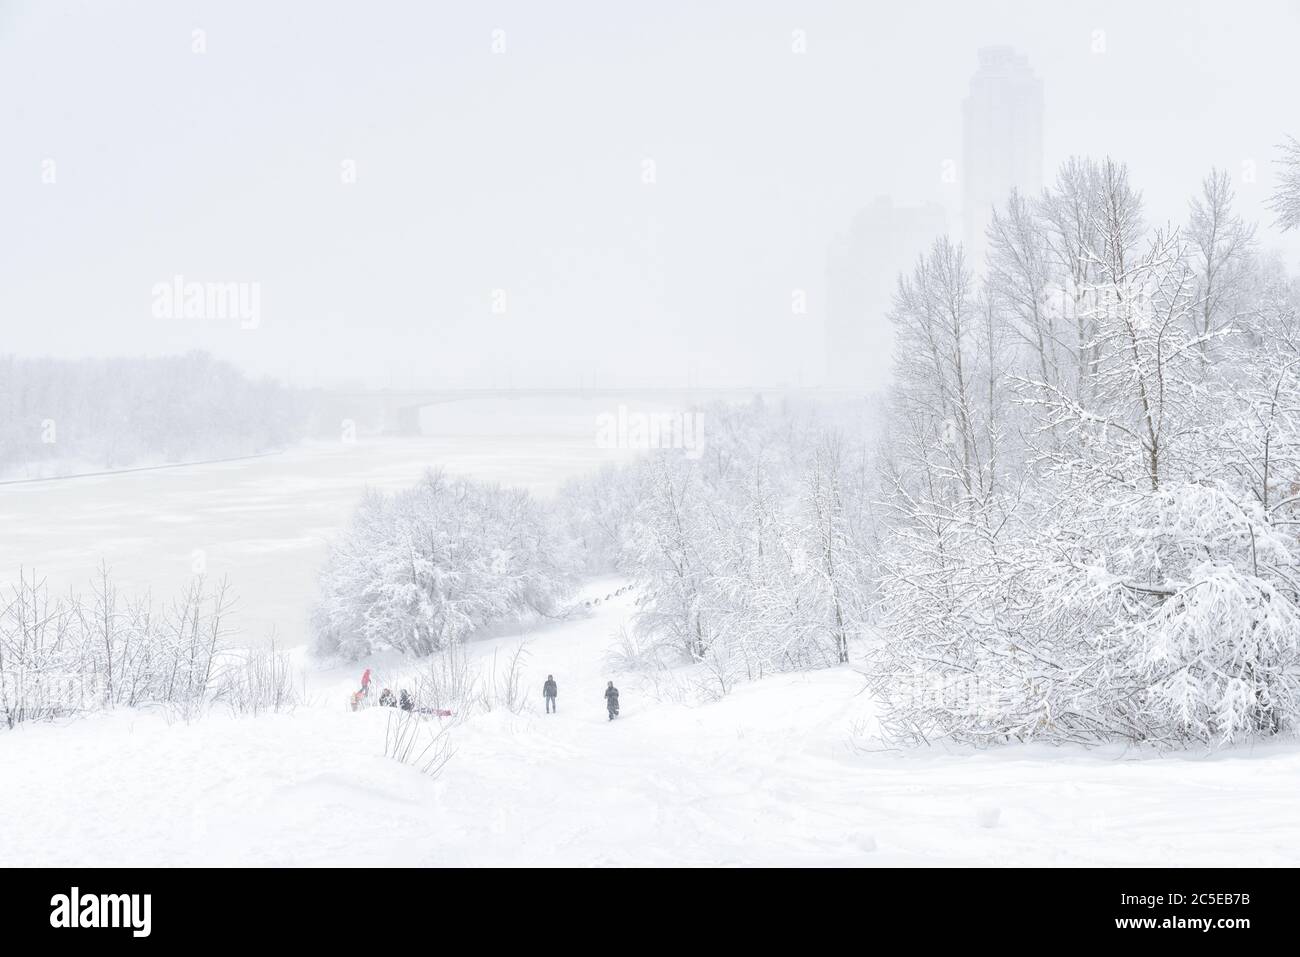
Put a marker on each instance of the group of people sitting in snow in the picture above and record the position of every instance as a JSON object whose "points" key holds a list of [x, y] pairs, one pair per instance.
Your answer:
{"points": [[550, 692], [387, 699], [404, 700]]}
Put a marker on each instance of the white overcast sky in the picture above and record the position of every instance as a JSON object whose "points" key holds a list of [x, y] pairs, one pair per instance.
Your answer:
{"points": [[522, 171]]}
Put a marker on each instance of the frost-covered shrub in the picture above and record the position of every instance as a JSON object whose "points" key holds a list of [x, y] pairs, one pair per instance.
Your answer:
{"points": [[423, 568], [409, 739], [1160, 616], [634, 651], [253, 681], [1200, 613], [83, 653]]}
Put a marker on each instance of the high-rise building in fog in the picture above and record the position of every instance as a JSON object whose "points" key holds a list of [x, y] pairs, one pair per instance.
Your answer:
{"points": [[861, 276], [1002, 139]]}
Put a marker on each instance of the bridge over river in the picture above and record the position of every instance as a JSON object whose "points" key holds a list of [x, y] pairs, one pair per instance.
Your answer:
{"points": [[398, 411]]}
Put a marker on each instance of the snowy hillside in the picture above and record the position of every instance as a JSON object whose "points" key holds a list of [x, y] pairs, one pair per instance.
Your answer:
{"points": [[776, 773]]}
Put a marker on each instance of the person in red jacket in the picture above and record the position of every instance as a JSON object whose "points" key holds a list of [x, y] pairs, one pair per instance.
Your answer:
{"points": [[365, 682]]}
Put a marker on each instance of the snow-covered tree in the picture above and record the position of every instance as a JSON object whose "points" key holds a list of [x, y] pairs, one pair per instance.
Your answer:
{"points": [[672, 554], [1286, 199], [421, 569], [1133, 574], [752, 558], [1220, 244], [109, 413]]}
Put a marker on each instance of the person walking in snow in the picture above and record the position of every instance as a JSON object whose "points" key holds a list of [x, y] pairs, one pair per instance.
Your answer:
{"points": [[549, 692], [365, 682], [611, 700]]}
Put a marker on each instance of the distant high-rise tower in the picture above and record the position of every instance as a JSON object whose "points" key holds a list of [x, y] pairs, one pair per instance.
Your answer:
{"points": [[861, 276], [1002, 140]]}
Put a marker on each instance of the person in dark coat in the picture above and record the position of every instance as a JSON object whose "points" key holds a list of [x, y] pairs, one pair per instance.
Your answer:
{"points": [[611, 700], [550, 692]]}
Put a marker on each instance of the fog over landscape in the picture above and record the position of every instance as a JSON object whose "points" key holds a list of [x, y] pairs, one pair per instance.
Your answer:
{"points": [[522, 170], [746, 434]]}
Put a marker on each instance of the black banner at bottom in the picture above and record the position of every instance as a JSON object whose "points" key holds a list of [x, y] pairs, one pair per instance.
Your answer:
{"points": [[361, 908]]}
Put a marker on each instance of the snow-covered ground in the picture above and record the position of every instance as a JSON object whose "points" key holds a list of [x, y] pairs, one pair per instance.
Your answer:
{"points": [[776, 773], [773, 774]]}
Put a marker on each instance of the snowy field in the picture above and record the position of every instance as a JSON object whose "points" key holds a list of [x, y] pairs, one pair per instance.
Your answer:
{"points": [[775, 774]]}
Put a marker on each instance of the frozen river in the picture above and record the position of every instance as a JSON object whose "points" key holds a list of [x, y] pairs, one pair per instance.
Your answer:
{"points": [[266, 522]]}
